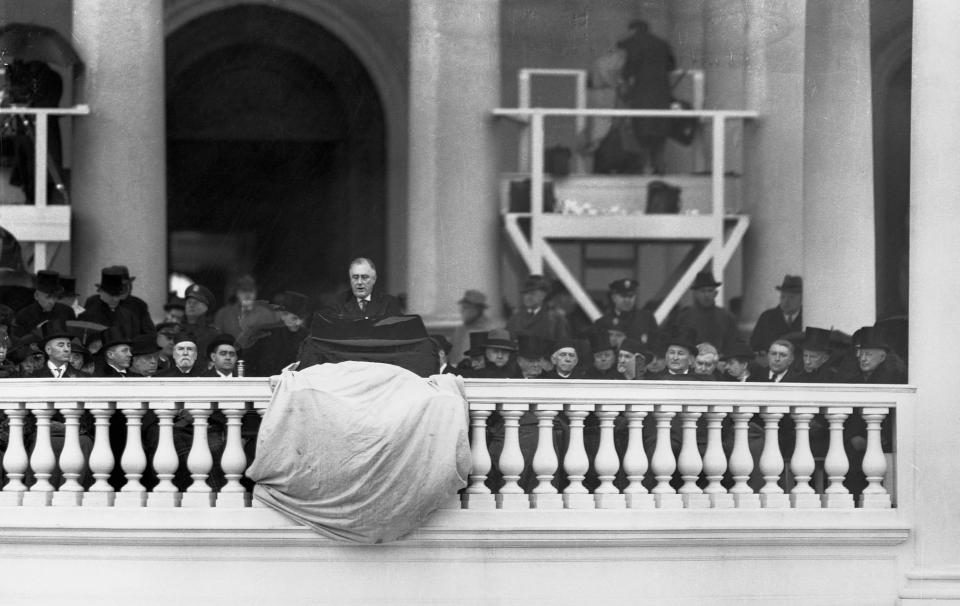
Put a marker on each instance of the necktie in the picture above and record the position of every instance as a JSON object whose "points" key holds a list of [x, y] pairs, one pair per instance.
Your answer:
{"points": [[363, 306], [60, 373]]}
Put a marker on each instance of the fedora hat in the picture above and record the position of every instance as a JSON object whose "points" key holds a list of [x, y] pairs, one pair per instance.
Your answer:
{"points": [[473, 297], [499, 338], [48, 282], [442, 343], [705, 279], [111, 281], [816, 339], [122, 271], [791, 284]]}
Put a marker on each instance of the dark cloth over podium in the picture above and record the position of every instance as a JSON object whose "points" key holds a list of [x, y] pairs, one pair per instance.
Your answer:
{"points": [[361, 452], [398, 340]]}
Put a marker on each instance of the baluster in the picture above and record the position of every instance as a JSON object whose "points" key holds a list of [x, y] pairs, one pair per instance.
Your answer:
{"points": [[802, 495], [689, 462], [165, 461], [511, 496], [133, 461], [70, 493], [771, 459], [575, 463], [663, 462], [607, 463], [836, 465], [233, 461], [477, 495], [741, 461], [15, 461], [101, 494], [635, 463], [545, 461], [42, 459], [875, 495], [199, 461], [714, 459], [261, 409]]}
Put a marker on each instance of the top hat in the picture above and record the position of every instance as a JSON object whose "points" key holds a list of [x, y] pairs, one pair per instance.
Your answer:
{"points": [[474, 297], [111, 281], [476, 344], [686, 338], [200, 293], [624, 287], [48, 282], [531, 347], [599, 341], [114, 335], [293, 302], [54, 329], [222, 339], [68, 286], [535, 282], [705, 279], [871, 337], [739, 351], [791, 284], [442, 343], [144, 345], [816, 339], [499, 338]]}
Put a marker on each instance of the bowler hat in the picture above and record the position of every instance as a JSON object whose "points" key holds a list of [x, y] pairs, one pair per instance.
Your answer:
{"points": [[473, 297], [476, 344], [705, 279], [443, 344], [111, 281], [122, 270], [535, 282], [816, 339], [54, 329], [200, 293], [624, 287], [738, 351], [144, 345], [599, 341], [499, 338], [222, 339], [48, 282], [791, 284], [114, 335], [531, 347], [686, 338], [870, 337]]}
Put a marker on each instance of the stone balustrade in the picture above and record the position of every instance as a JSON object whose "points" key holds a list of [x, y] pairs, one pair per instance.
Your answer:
{"points": [[535, 444]]}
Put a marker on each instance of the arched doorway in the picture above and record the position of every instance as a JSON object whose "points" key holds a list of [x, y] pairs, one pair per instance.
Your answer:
{"points": [[276, 151]]}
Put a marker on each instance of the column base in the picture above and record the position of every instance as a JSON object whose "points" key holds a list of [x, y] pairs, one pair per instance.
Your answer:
{"points": [[611, 500], [640, 500], [805, 500], [775, 500], [513, 500], [198, 499], [696, 501], [11, 498], [746, 500], [231, 500], [722, 500], [163, 499], [478, 500], [37, 499], [99, 499], [579, 501], [876, 501], [546, 500], [67, 498], [668, 501], [837, 500]]}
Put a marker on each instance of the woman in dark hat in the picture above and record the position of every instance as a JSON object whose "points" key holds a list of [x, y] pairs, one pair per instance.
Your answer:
{"points": [[500, 355]]}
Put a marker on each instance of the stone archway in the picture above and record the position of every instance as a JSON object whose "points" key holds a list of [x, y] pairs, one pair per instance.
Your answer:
{"points": [[276, 140]]}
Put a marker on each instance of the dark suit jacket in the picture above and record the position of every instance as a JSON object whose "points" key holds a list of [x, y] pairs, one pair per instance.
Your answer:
{"points": [[30, 316], [44, 372], [771, 326], [173, 372], [543, 324], [380, 305], [763, 376], [212, 372]]}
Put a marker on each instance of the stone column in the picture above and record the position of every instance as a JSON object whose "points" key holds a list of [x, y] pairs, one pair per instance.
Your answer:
{"points": [[119, 175], [934, 246], [838, 217], [454, 220], [773, 173]]}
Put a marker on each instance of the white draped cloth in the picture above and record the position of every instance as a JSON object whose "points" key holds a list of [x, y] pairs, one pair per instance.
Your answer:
{"points": [[361, 451]]}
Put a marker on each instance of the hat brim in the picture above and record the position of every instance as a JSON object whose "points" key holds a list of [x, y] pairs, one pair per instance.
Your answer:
{"points": [[110, 291]]}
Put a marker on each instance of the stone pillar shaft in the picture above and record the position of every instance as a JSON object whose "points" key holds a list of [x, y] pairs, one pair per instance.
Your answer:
{"points": [[119, 175]]}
